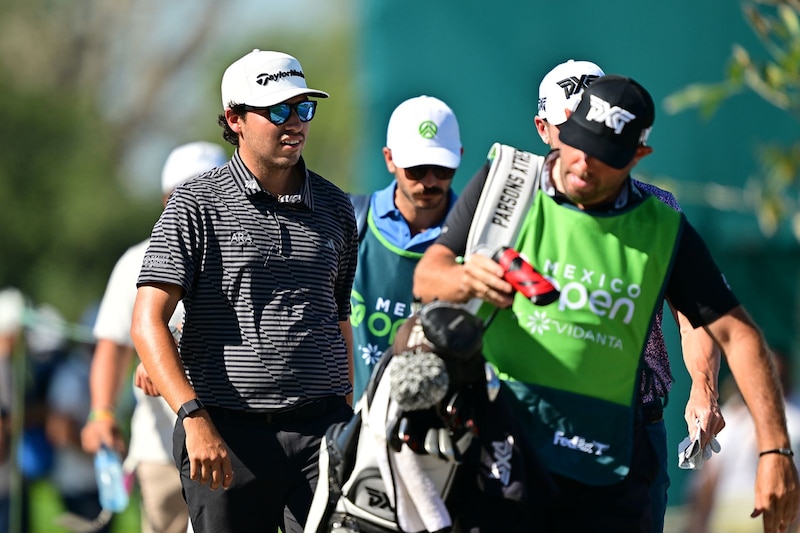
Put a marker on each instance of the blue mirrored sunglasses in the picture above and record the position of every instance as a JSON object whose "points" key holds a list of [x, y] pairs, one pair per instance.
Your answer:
{"points": [[280, 113]]}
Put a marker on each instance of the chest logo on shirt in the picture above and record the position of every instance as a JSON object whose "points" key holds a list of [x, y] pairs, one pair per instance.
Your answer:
{"points": [[241, 237]]}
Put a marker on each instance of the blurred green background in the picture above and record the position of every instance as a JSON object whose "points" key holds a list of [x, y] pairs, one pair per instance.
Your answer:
{"points": [[95, 94]]}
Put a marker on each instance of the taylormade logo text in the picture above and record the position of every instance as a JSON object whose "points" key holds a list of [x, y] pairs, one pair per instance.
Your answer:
{"points": [[578, 443], [264, 78]]}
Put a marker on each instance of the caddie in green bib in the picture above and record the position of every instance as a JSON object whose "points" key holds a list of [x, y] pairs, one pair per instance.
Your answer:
{"points": [[574, 364]]}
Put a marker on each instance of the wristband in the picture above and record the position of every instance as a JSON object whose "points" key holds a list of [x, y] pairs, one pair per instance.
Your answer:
{"points": [[189, 408], [102, 413], [780, 451]]}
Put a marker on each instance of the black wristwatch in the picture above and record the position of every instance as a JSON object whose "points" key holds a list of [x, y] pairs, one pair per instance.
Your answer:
{"points": [[190, 407]]}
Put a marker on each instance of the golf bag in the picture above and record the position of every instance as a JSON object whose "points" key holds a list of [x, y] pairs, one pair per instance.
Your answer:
{"points": [[432, 445]]}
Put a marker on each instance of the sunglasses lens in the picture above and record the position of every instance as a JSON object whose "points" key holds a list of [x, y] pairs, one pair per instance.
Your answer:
{"points": [[419, 172], [416, 173], [279, 113], [444, 173], [305, 110]]}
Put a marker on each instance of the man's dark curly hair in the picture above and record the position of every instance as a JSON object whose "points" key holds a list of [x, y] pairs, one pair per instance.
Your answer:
{"points": [[227, 133]]}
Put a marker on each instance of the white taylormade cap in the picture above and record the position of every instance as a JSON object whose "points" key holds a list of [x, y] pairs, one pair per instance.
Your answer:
{"points": [[190, 160], [424, 131], [562, 87], [263, 78]]}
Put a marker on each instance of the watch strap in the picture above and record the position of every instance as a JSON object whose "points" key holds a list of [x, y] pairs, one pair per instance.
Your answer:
{"points": [[189, 408]]}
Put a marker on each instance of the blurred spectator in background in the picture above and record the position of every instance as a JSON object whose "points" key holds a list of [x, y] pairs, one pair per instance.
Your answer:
{"points": [[68, 407], [44, 345], [720, 496], [45, 348], [11, 306], [163, 507]]}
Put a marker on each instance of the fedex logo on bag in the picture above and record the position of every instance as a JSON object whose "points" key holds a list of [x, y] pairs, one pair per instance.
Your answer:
{"points": [[581, 444]]}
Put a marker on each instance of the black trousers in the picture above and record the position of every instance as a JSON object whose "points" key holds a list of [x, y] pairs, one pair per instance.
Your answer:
{"points": [[275, 471]]}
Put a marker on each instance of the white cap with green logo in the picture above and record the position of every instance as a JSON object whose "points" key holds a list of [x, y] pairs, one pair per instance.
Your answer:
{"points": [[424, 131]]}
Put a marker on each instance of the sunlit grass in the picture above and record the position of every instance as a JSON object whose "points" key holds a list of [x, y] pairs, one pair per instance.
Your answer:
{"points": [[46, 506]]}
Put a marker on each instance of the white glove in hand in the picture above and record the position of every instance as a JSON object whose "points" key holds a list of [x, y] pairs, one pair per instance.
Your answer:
{"points": [[690, 456]]}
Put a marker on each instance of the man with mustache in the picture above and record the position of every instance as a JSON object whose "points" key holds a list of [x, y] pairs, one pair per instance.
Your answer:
{"points": [[422, 152]]}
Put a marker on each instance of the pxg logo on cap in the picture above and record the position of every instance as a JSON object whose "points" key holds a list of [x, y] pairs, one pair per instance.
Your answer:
{"points": [[561, 89], [614, 117]]}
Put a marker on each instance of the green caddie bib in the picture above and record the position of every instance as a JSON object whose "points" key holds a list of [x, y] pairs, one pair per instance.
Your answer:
{"points": [[574, 364]]}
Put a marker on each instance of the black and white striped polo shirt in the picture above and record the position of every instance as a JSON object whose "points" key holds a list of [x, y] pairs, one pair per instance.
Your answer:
{"points": [[265, 282]]}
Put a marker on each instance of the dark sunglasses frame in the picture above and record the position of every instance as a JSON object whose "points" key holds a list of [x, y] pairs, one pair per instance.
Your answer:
{"points": [[419, 172], [280, 113]]}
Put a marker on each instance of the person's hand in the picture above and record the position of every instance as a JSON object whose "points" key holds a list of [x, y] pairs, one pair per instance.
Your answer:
{"points": [[208, 455], [102, 430], [777, 492], [483, 278], [142, 380], [703, 406]]}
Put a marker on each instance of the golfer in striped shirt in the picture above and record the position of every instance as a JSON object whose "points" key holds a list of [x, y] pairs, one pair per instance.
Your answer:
{"points": [[262, 251]]}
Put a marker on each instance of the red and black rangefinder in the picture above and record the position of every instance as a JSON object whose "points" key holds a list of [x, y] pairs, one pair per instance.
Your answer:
{"points": [[524, 278]]}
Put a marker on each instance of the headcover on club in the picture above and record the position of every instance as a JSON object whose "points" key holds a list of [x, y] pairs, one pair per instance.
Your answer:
{"points": [[437, 350], [418, 379], [452, 333]]}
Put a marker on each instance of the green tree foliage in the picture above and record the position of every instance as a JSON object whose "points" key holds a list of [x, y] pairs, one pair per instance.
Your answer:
{"points": [[776, 80], [334, 131], [65, 215], [90, 89]]}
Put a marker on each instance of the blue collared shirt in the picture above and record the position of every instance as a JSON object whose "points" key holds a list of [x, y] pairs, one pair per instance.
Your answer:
{"points": [[393, 226]]}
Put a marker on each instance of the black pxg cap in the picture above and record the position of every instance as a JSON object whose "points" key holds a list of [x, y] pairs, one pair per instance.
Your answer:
{"points": [[614, 117]]}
